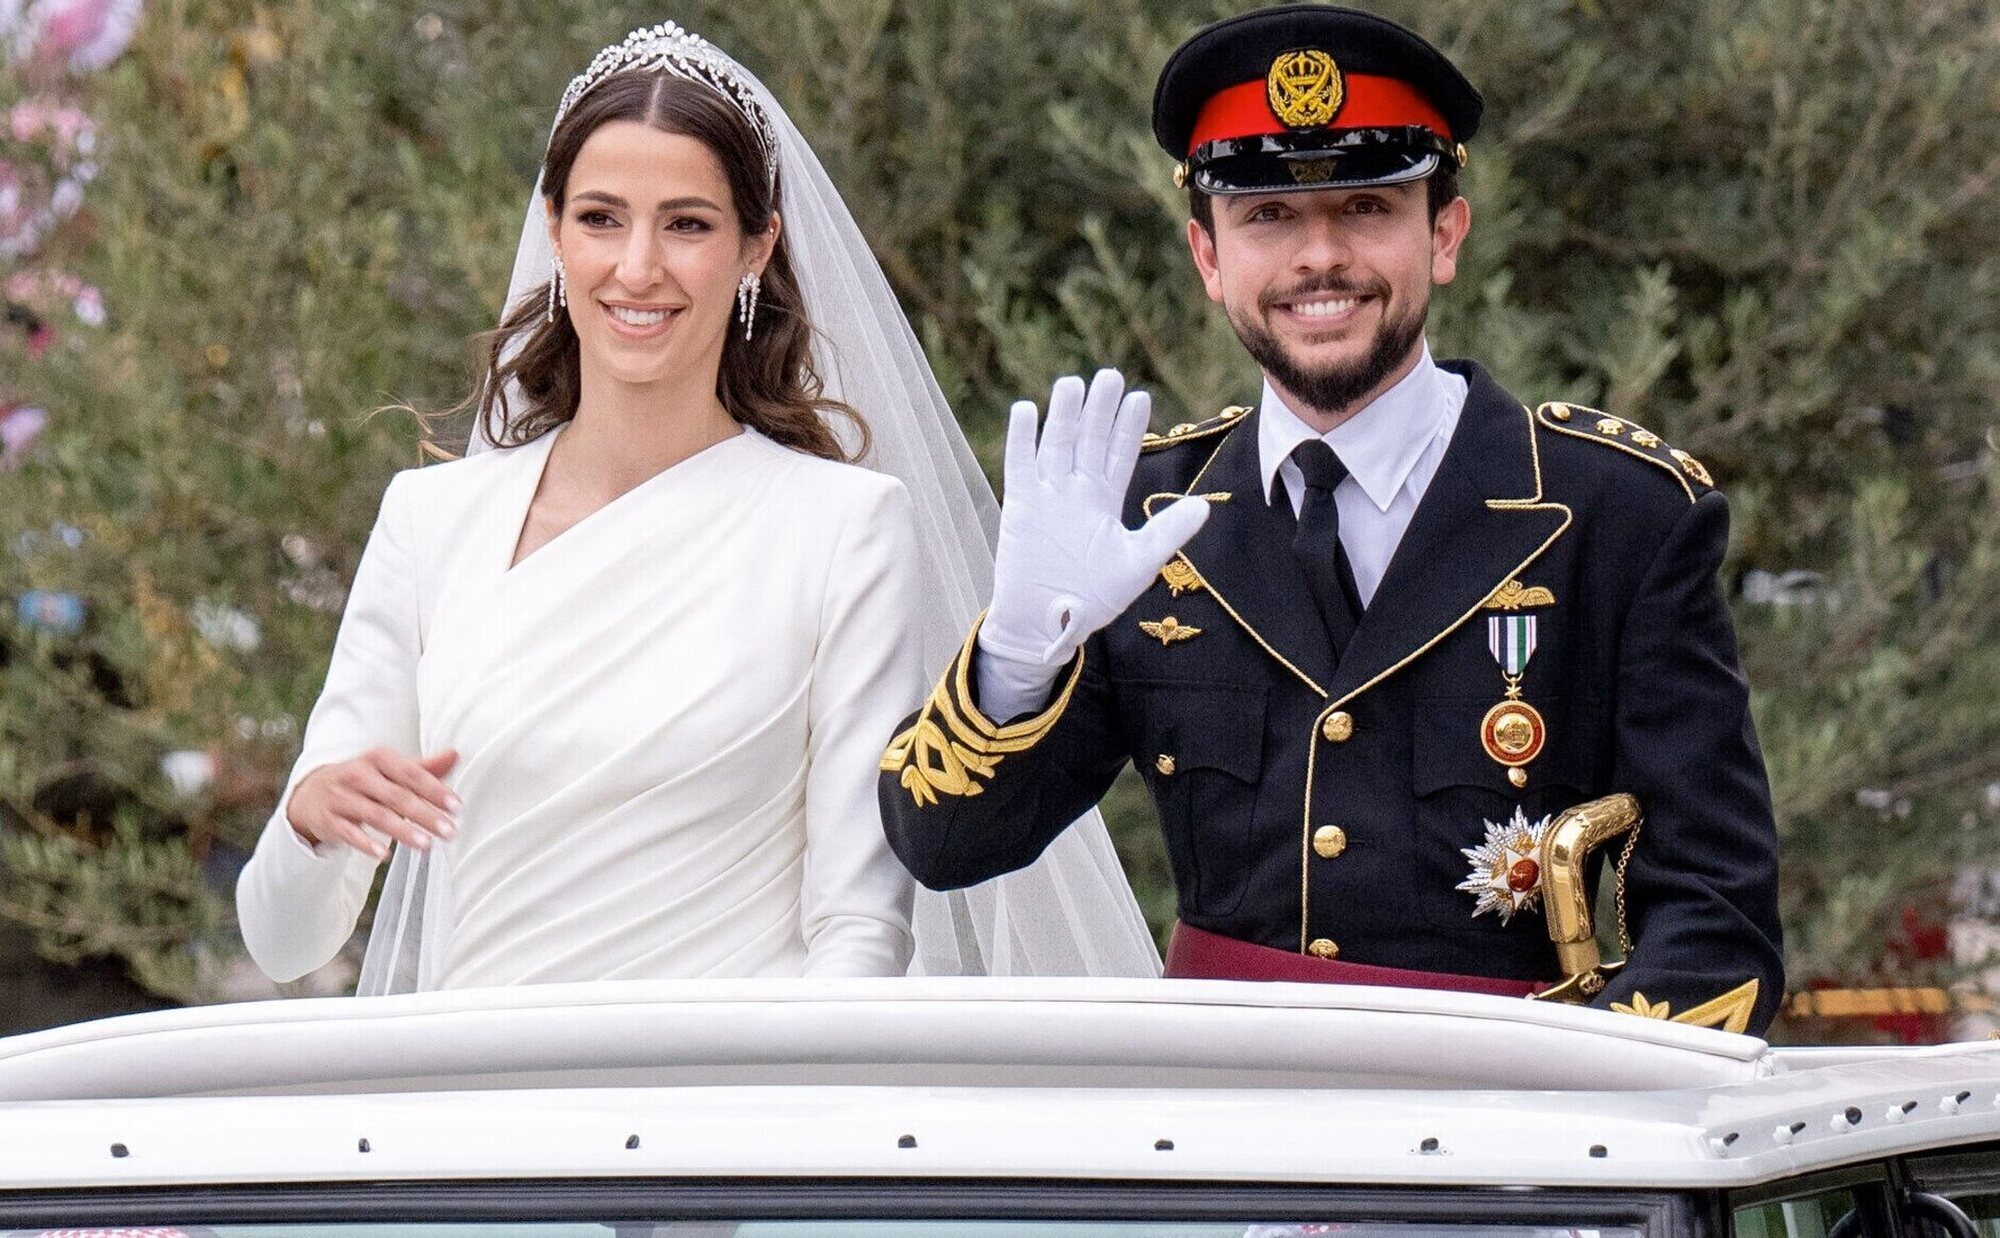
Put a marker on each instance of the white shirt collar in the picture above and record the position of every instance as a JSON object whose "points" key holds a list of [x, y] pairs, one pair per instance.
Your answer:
{"points": [[1379, 445]]}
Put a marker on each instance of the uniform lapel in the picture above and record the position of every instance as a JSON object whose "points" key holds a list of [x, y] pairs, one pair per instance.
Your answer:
{"points": [[1244, 556], [1481, 522]]}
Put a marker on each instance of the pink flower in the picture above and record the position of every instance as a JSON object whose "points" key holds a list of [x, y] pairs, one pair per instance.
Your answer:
{"points": [[20, 426], [69, 123], [26, 119], [91, 33]]}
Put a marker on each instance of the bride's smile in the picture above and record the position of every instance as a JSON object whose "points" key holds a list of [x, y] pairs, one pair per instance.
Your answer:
{"points": [[637, 322]]}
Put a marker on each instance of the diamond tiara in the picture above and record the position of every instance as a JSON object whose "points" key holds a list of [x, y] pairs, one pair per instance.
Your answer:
{"points": [[669, 48]]}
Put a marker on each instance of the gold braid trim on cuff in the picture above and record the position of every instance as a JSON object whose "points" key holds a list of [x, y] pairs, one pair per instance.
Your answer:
{"points": [[1731, 1012], [953, 745]]}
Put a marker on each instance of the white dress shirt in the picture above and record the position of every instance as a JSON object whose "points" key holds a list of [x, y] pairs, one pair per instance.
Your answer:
{"points": [[1391, 449]]}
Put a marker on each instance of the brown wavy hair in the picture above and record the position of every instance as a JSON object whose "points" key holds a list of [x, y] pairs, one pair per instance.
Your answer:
{"points": [[768, 383]]}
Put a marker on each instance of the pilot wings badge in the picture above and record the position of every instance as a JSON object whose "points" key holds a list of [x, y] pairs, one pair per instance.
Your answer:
{"points": [[1506, 868], [1168, 630]]}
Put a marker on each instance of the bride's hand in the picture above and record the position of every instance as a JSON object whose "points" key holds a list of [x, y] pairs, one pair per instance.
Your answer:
{"points": [[1066, 564], [381, 790]]}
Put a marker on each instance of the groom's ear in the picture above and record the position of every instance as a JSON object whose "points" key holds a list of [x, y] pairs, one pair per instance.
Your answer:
{"points": [[1201, 242]]}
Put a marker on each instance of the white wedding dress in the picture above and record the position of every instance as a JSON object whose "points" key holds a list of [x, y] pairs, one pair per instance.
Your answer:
{"points": [[668, 721]]}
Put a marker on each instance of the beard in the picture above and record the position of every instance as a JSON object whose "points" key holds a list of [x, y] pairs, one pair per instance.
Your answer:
{"points": [[1335, 387]]}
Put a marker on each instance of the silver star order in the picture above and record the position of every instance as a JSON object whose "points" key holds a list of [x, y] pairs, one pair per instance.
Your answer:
{"points": [[1507, 844]]}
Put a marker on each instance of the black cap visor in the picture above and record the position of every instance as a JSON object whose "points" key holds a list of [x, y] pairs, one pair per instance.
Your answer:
{"points": [[1318, 159]]}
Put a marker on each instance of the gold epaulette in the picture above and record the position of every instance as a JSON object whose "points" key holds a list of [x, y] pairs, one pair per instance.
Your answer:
{"points": [[953, 745], [1187, 431], [1634, 440]]}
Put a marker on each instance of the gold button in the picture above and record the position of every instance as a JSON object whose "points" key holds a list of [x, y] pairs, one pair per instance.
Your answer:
{"points": [[1323, 948], [1329, 841], [1559, 412], [1338, 727], [1164, 763]]}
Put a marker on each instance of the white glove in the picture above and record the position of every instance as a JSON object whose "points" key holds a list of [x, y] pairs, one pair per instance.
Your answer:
{"points": [[1066, 564]]}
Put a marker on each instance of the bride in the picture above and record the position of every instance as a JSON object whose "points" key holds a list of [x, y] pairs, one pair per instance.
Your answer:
{"points": [[614, 692]]}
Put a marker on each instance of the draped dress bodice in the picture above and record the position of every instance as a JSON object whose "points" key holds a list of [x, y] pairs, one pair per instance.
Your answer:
{"points": [[666, 717]]}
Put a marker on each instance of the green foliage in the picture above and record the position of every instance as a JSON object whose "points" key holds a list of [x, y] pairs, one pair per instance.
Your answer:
{"points": [[61, 885], [1758, 227]]}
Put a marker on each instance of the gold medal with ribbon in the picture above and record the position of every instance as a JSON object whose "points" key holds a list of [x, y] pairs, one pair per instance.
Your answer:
{"points": [[1512, 732]]}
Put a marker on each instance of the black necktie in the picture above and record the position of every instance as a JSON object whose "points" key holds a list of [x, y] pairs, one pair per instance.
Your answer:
{"points": [[1317, 541]]}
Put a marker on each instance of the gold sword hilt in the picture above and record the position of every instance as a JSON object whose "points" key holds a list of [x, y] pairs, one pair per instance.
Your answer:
{"points": [[1567, 895]]}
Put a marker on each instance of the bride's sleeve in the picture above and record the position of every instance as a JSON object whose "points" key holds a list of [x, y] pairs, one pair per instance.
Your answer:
{"points": [[297, 903], [855, 904]]}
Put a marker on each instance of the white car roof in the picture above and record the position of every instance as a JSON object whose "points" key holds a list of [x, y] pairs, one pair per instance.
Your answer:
{"points": [[987, 1078]]}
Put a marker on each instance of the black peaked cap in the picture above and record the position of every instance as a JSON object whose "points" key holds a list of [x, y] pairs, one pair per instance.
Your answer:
{"points": [[1241, 48]]}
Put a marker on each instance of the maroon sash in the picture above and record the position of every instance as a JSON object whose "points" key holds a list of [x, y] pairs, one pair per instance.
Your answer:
{"points": [[1195, 954]]}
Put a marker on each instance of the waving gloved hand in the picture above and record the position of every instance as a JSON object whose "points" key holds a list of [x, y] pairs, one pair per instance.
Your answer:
{"points": [[1066, 564]]}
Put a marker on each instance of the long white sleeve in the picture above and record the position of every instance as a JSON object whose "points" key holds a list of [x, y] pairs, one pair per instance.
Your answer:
{"points": [[297, 904], [855, 903]]}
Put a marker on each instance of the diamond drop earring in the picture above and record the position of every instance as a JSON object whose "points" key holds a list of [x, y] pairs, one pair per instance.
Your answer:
{"points": [[746, 300], [558, 296]]}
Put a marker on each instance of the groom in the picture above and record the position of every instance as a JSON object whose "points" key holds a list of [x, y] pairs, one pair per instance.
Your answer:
{"points": [[1363, 640]]}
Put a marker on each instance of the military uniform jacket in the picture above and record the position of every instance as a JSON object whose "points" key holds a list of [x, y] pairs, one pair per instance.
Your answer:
{"points": [[1222, 686]]}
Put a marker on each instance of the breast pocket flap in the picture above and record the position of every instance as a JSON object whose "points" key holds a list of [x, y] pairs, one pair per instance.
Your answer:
{"points": [[1209, 726]]}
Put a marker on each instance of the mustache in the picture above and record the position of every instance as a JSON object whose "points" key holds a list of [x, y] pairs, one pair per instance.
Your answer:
{"points": [[1324, 284]]}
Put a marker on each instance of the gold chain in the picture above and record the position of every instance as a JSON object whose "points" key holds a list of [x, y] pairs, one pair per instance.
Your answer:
{"points": [[1624, 858]]}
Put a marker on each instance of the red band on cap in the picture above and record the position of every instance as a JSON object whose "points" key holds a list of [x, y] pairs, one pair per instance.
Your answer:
{"points": [[1372, 102]]}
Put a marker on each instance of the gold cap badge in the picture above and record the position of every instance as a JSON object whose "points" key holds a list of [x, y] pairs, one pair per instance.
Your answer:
{"points": [[1311, 171], [1305, 88]]}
